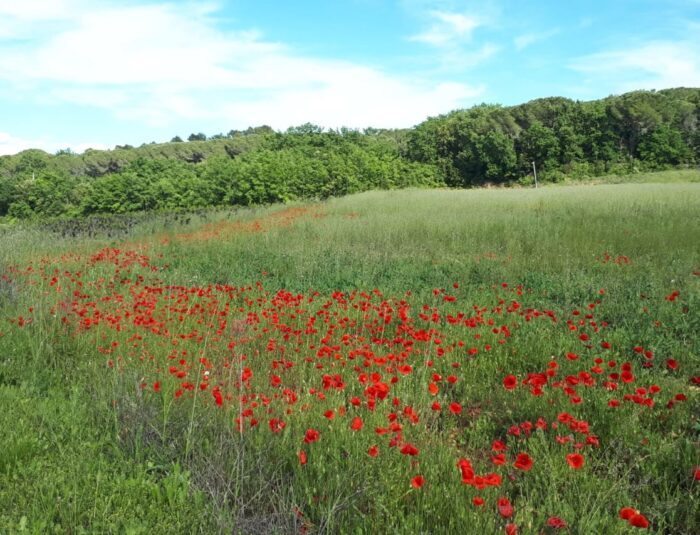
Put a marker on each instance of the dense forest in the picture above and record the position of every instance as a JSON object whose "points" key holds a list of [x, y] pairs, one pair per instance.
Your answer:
{"points": [[640, 130]]}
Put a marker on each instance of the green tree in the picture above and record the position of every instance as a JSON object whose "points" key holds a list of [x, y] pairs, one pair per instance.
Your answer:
{"points": [[538, 144], [664, 146]]}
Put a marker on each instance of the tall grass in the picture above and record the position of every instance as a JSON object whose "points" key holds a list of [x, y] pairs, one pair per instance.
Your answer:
{"points": [[93, 447]]}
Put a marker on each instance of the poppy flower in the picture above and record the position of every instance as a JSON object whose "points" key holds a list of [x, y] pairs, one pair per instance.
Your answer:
{"points": [[417, 482], [276, 425], [510, 382], [302, 457], [455, 408], [639, 521], [523, 462], [409, 449], [511, 529], [575, 460], [478, 501], [499, 459], [311, 436], [627, 512], [556, 522], [373, 451], [505, 509], [697, 474], [497, 445], [356, 423]]}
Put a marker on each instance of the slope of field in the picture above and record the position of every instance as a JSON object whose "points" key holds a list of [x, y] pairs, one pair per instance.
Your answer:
{"points": [[414, 361]]}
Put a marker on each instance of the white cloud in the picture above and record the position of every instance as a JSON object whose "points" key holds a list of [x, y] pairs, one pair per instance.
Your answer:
{"points": [[365, 95], [161, 63], [448, 29], [35, 10], [465, 58], [450, 34], [655, 65], [523, 41]]}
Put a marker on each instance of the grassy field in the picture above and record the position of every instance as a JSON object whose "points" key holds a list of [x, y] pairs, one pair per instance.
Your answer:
{"points": [[413, 361]]}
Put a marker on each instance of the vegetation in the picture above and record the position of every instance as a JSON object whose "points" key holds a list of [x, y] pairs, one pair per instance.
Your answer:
{"points": [[400, 362], [622, 134], [638, 131]]}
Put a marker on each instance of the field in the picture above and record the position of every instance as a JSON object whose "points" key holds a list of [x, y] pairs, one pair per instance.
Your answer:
{"points": [[418, 361]]}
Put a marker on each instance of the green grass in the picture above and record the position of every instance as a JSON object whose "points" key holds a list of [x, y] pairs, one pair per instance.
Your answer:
{"points": [[656, 177], [87, 449]]}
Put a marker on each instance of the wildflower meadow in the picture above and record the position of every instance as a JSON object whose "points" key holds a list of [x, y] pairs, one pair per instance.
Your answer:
{"points": [[420, 361]]}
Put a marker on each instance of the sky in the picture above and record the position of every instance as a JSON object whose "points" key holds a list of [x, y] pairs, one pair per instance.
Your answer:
{"points": [[84, 74]]}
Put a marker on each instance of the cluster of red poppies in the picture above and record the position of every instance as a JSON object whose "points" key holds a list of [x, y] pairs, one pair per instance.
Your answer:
{"points": [[279, 357]]}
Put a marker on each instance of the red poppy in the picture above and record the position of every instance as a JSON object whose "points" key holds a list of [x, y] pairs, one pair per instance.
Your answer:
{"points": [[302, 457], [511, 529], [575, 460], [697, 474], [627, 512], [510, 382], [499, 459], [639, 521], [556, 522], [218, 398], [455, 408], [478, 501], [417, 482], [523, 462], [505, 509], [311, 436], [373, 451], [276, 425], [497, 445], [409, 449], [356, 424]]}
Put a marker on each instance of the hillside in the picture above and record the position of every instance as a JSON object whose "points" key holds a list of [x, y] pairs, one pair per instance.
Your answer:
{"points": [[641, 130]]}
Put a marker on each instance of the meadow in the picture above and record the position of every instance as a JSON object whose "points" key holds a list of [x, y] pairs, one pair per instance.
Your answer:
{"points": [[416, 361]]}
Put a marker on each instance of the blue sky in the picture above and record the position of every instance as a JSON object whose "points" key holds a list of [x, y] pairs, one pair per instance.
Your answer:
{"points": [[95, 73]]}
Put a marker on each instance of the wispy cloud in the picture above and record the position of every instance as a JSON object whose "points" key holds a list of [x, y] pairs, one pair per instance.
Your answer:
{"points": [[523, 41], [654, 65], [448, 29], [159, 63], [450, 35]]}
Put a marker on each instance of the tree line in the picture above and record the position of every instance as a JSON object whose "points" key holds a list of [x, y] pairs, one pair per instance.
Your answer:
{"points": [[640, 130]]}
